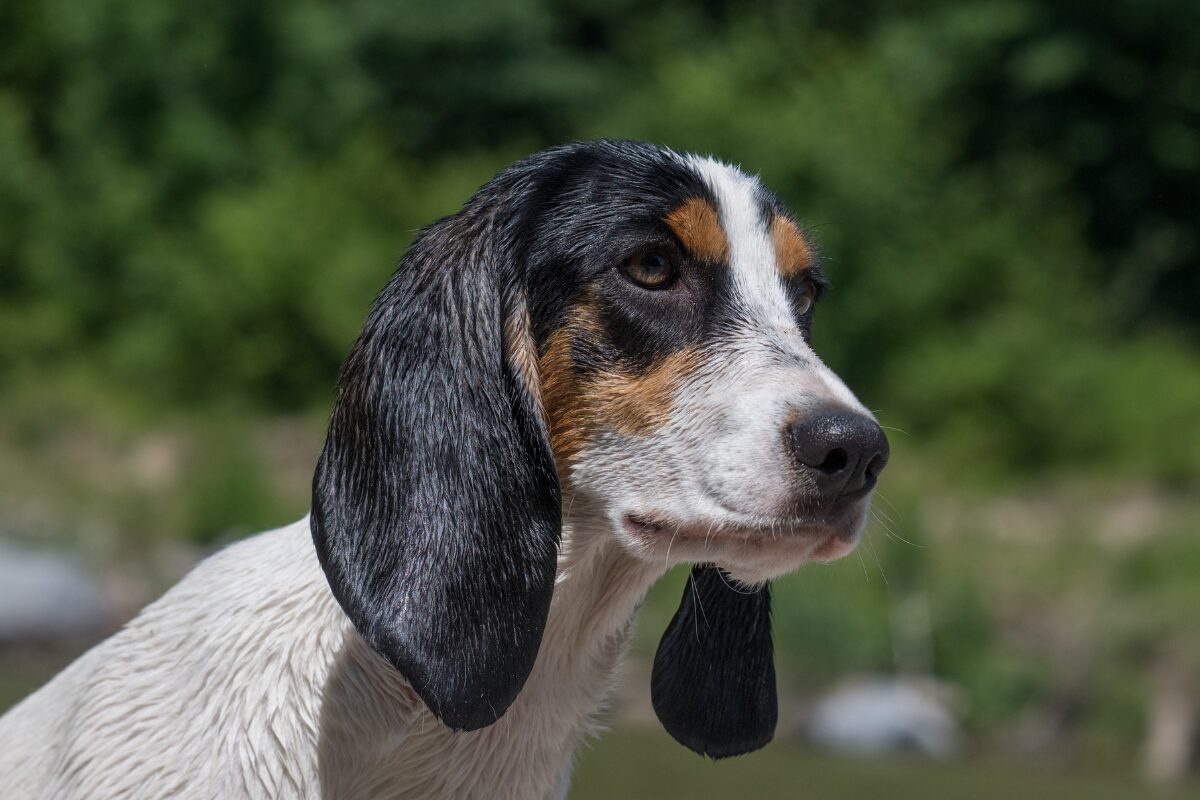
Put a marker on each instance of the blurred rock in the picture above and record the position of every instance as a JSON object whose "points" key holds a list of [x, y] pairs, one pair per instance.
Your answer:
{"points": [[878, 715], [46, 596], [1172, 722]]}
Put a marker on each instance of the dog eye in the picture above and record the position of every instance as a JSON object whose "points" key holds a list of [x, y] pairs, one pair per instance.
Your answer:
{"points": [[650, 270], [804, 302]]}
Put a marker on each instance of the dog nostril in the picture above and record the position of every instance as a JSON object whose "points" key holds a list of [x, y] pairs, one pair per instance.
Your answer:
{"points": [[871, 471], [835, 461], [875, 466]]}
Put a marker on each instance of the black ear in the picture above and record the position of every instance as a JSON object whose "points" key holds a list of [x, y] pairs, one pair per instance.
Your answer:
{"points": [[436, 511], [713, 686]]}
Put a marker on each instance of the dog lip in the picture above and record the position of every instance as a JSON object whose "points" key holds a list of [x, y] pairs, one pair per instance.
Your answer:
{"points": [[835, 545], [640, 524], [644, 525], [847, 498]]}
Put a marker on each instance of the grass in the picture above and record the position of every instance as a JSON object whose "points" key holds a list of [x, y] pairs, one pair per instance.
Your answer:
{"points": [[631, 764]]}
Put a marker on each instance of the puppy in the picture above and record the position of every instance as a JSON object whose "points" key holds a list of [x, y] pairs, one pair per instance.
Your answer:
{"points": [[599, 368]]}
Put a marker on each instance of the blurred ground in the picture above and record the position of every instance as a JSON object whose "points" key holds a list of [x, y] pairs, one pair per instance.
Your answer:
{"points": [[639, 764]]}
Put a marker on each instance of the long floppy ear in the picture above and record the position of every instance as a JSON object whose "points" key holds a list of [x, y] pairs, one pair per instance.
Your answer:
{"points": [[713, 685], [436, 511]]}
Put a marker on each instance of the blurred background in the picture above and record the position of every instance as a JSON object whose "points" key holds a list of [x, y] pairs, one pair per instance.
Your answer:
{"points": [[198, 203]]}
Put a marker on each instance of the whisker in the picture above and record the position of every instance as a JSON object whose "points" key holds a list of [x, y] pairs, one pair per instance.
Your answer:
{"points": [[884, 526], [699, 606], [863, 564], [894, 428], [667, 558], [883, 519], [871, 549], [891, 531], [881, 496], [897, 537], [882, 513], [732, 588]]}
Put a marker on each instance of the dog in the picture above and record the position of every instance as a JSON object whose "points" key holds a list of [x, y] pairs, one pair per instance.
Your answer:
{"points": [[599, 368]]}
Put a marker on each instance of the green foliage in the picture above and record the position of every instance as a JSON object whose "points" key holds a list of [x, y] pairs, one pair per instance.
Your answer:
{"points": [[227, 483], [199, 203]]}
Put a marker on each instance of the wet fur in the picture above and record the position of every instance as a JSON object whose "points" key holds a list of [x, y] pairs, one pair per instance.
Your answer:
{"points": [[451, 616]]}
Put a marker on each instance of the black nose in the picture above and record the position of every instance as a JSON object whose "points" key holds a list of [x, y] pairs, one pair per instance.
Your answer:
{"points": [[839, 452]]}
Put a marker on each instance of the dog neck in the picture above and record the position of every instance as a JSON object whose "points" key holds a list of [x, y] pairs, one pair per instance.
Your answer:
{"points": [[598, 589]]}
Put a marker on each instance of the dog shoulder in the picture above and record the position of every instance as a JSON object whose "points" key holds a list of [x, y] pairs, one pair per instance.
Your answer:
{"points": [[224, 676]]}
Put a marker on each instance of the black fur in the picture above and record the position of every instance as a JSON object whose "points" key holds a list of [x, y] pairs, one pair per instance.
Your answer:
{"points": [[435, 501], [713, 685]]}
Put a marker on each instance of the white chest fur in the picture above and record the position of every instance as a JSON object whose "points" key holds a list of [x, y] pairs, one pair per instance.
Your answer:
{"points": [[247, 680]]}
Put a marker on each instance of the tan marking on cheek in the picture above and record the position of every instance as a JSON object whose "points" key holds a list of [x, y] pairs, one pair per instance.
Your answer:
{"points": [[792, 252], [637, 405], [698, 227], [578, 407], [563, 399]]}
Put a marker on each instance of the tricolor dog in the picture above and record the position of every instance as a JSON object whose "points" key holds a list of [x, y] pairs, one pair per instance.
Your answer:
{"points": [[597, 369]]}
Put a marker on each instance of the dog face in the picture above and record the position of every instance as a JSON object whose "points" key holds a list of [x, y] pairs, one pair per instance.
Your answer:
{"points": [[672, 299], [626, 325]]}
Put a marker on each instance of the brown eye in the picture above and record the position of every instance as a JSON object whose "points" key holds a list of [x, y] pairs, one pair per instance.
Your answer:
{"points": [[650, 270], [804, 302]]}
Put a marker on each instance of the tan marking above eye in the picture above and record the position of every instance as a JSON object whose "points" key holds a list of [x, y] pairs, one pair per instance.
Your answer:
{"points": [[792, 252], [698, 226]]}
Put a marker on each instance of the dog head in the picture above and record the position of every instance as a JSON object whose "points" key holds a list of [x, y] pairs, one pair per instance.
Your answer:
{"points": [[626, 325]]}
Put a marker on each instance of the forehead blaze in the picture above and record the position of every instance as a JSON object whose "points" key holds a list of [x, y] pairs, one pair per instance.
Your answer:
{"points": [[793, 254], [698, 226], [585, 394]]}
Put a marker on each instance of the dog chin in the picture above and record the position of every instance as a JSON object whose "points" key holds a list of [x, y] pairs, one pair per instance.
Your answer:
{"points": [[751, 554]]}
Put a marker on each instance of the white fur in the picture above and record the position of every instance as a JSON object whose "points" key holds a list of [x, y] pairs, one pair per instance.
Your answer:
{"points": [[247, 680]]}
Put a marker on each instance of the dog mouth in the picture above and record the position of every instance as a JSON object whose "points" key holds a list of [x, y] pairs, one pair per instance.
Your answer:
{"points": [[824, 540]]}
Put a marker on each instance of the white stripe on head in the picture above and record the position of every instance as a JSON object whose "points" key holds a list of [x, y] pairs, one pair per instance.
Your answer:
{"points": [[762, 299], [752, 253]]}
